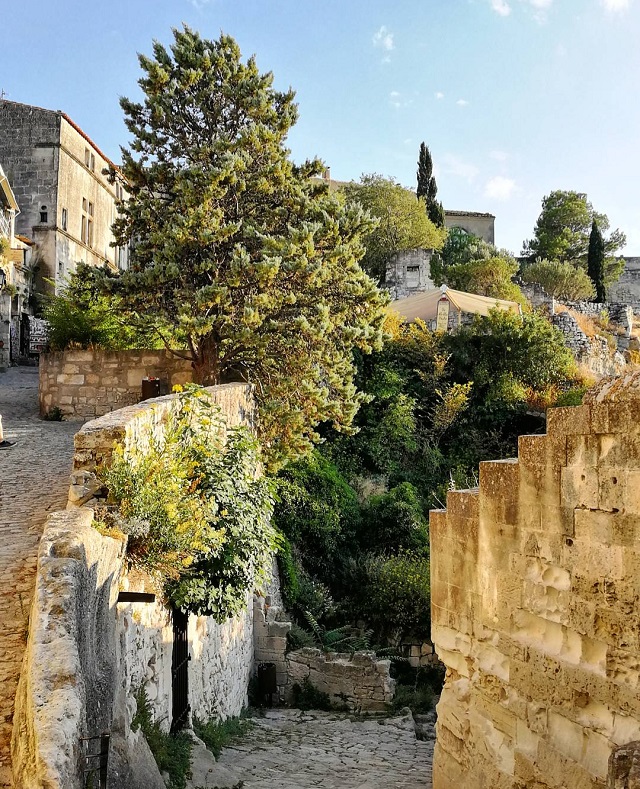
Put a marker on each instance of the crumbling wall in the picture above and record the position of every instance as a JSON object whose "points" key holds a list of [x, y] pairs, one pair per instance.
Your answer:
{"points": [[359, 681], [535, 589]]}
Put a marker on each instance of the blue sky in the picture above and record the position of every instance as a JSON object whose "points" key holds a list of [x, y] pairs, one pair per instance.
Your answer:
{"points": [[515, 98]]}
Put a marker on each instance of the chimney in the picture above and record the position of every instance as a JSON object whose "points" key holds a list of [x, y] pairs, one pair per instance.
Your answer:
{"points": [[327, 174]]}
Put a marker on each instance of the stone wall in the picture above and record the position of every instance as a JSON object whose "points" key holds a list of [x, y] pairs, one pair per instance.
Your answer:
{"points": [[592, 352], [409, 272], [359, 681], [535, 589], [87, 655], [88, 384]]}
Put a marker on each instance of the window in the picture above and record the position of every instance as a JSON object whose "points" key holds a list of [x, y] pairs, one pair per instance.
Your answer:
{"points": [[89, 159], [86, 228], [64, 219], [119, 192], [43, 215], [413, 269]]}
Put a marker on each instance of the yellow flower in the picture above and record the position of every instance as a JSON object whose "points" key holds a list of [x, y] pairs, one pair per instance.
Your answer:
{"points": [[178, 388]]}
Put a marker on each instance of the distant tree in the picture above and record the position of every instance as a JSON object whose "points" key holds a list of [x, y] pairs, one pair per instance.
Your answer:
{"points": [[560, 280], [402, 221], [427, 186], [563, 229], [596, 261], [467, 262], [253, 263]]}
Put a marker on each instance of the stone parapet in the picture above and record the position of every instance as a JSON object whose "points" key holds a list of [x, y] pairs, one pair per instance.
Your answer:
{"points": [[535, 604]]}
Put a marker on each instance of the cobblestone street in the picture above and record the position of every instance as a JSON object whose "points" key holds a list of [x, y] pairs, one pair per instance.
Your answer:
{"points": [[290, 749], [34, 480]]}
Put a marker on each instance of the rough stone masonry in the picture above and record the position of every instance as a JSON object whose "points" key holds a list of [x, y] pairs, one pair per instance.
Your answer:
{"points": [[535, 591]]}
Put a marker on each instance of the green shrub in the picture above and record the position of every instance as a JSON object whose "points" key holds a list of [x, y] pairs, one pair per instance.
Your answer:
{"points": [[308, 697], [396, 599], [288, 571], [298, 638], [172, 752], [194, 510], [418, 699], [217, 735], [394, 521]]}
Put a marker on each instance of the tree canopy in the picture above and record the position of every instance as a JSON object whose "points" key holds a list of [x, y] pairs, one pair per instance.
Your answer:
{"points": [[472, 264], [563, 229], [596, 261], [427, 186], [236, 248], [560, 280], [402, 221]]}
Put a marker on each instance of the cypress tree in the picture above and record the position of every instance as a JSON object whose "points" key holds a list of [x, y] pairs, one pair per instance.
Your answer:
{"points": [[427, 186], [596, 261]]}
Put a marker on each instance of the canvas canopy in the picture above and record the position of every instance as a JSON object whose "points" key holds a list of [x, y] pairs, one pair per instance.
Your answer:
{"points": [[425, 305]]}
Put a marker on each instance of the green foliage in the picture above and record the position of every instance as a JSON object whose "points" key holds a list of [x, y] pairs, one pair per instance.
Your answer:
{"points": [[563, 230], [81, 317], [308, 697], [572, 397], [338, 639], [394, 521], [427, 187], [473, 265], [596, 261], [298, 638], [398, 596], [403, 222], [288, 572], [560, 280], [172, 752], [217, 735], [317, 511], [419, 700], [239, 250], [194, 509]]}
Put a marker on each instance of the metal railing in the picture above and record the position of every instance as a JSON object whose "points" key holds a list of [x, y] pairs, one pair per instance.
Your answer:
{"points": [[94, 764]]}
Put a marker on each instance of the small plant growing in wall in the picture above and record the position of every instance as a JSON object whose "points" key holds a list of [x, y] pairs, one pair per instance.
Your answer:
{"points": [[196, 512]]}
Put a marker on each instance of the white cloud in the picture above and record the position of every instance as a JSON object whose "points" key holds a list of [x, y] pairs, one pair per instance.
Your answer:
{"points": [[616, 5], [454, 165], [199, 4], [501, 7], [384, 39], [439, 95], [462, 103], [499, 156], [499, 188], [542, 4]]}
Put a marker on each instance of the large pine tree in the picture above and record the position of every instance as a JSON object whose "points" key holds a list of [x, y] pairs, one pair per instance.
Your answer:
{"points": [[427, 186], [596, 261], [243, 254]]}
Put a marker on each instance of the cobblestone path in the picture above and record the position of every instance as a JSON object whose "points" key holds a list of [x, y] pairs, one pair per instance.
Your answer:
{"points": [[290, 749], [34, 480]]}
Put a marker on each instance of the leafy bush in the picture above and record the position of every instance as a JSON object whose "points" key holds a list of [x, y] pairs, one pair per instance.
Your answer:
{"points": [[194, 510], [172, 752], [419, 700], [396, 599], [298, 638], [560, 280], [394, 521], [318, 512], [308, 697], [217, 735]]}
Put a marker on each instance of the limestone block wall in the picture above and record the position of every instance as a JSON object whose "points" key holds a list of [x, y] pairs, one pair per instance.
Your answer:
{"points": [[535, 589], [409, 272], [87, 384], [360, 680]]}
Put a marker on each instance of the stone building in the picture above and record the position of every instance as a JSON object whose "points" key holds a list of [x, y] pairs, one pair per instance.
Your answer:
{"points": [[15, 279], [67, 205], [473, 222], [627, 289], [408, 272]]}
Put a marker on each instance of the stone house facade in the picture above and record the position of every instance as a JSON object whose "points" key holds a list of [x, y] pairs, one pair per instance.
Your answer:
{"points": [[67, 204], [473, 222]]}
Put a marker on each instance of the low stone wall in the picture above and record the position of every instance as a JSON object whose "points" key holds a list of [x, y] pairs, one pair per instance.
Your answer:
{"points": [[360, 681], [534, 591], [87, 384], [270, 636], [592, 352]]}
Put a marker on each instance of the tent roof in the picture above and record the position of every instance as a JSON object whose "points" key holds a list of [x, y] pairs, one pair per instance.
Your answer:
{"points": [[425, 305]]}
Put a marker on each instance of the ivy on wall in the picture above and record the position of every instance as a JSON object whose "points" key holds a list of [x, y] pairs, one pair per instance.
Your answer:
{"points": [[195, 508]]}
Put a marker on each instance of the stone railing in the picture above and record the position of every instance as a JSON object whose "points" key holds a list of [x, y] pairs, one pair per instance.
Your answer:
{"points": [[87, 384]]}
